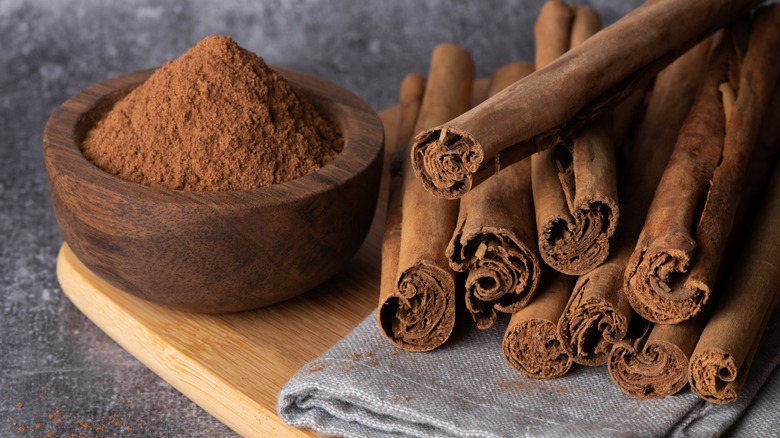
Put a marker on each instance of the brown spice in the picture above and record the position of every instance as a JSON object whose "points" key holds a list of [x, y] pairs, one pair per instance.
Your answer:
{"points": [[20, 405], [215, 119]]}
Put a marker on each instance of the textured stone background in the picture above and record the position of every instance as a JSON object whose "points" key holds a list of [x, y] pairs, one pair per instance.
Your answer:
{"points": [[69, 376]]}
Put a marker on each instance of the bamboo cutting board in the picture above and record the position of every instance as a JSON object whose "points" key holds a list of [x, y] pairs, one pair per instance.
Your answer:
{"points": [[234, 365]]}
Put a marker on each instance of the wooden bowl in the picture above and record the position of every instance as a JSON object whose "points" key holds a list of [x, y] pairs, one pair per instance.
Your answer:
{"points": [[215, 251]]}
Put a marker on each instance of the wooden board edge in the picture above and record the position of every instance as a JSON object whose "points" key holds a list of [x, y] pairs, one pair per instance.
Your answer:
{"points": [[206, 389]]}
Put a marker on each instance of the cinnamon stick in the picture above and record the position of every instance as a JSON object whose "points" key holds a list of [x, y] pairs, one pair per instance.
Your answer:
{"points": [[547, 106], [494, 240], [655, 364], [673, 268], [418, 314], [722, 358], [531, 343], [409, 101], [575, 188], [598, 313]]}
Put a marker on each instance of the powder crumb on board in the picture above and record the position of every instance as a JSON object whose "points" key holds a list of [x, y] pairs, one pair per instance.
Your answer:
{"points": [[408, 397], [368, 354], [391, 365], [20, 405], [356, 356], [22, 428], [56, 415], [85, 425], [39, 426], [373, 362], [395, 353]]}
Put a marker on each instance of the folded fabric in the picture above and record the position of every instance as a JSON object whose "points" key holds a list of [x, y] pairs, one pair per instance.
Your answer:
{"points": [[365, 387]]}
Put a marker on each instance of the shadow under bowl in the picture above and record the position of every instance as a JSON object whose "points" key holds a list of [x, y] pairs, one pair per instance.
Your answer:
{"points": [[215, 251]]}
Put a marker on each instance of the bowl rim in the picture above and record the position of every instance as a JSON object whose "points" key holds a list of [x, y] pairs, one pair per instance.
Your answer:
{"points": [[360, 126]]}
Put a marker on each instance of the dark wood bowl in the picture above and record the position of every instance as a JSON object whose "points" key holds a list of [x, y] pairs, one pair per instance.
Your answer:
{"points": [[215, 251]]}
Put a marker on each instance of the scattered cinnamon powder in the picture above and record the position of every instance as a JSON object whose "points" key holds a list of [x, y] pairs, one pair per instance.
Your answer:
{"points": [[217, 118]]}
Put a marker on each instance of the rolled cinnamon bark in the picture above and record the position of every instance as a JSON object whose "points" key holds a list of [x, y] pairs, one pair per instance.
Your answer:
{"points": [[418, 314], [720, 363], [494, 240], [762, 162], [655, 364], [410, 98], [545, 107], [574, 184], [531, 342], [666, 244], [598, 313], [673, 269]]}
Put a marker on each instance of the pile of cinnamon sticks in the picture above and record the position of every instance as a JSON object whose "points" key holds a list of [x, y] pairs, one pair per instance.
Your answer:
{"points": [[619, 197]]}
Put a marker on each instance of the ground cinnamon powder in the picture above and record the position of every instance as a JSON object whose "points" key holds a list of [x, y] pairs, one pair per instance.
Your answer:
{"points": [[217, 118]]}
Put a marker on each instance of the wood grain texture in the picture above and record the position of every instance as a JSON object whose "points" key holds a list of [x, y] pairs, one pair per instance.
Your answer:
{"points": [[215, 251], [234, 365]]}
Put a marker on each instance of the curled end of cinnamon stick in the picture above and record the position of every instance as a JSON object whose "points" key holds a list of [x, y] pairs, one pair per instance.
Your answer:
{"points": [[657, 370], [590, 325], [655, 290], [444, 159], [577, 244], [503, 273], [533, 348], [712, 374], [421, 315]]}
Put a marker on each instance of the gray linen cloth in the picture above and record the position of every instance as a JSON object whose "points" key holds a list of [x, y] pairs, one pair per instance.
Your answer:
{"points": [[365, 387]]}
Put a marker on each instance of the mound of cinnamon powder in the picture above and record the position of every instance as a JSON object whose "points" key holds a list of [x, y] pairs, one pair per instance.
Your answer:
{"points": [[217, 118]]}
